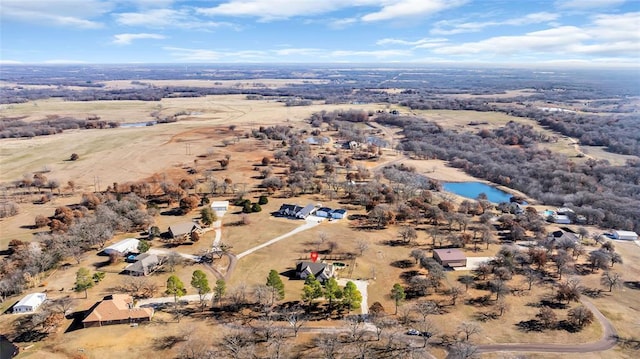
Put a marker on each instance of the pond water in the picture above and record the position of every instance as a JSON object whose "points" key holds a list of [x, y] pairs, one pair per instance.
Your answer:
{"points": [[473, 189], [138, 124]]}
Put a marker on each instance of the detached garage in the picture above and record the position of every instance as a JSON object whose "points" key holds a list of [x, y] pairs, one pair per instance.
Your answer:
{"points": [[625, 235], [450, 257]]}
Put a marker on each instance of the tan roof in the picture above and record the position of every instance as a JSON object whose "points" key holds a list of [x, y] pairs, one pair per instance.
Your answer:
{"points": [[117, 308], [450, 254], [183, 228]]}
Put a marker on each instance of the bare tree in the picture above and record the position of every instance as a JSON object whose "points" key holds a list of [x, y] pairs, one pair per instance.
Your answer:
{"points": [[329, 346], [362, 246], [462, 350], [426, 308], [611, 279], [296, 319], [547, 316], [407, 233], [61, 305], [502, 306], [580, 316], [455, 293], [468, 329]]}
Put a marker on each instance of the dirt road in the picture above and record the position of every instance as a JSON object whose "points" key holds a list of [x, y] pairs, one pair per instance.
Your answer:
{"points": [[607, 342]]}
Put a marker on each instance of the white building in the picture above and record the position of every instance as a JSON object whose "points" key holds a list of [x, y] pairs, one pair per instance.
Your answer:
{"points": [[338, 213], [125, 246], [220, 206], [625, 235], [29, 303], [561, 219]]}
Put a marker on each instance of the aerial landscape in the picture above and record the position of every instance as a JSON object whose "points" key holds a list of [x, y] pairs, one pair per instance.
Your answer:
{"points": [[273, 179]]}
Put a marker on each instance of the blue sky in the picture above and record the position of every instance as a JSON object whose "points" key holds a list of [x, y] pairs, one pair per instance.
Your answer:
{"points": [[503, 32]]}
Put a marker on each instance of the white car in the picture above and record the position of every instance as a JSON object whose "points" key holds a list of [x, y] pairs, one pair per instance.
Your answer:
{"points": [[413, 332]]}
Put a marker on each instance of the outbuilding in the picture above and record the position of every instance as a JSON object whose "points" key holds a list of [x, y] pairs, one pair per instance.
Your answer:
{"points": [[30, 303], [220, 206], [338, 213], [324, 212], [625, 235], [125, 246], [450, 257]]}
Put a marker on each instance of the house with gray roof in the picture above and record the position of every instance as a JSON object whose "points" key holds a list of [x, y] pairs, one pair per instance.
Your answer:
{"points": [[322, 271], [145, 264]]}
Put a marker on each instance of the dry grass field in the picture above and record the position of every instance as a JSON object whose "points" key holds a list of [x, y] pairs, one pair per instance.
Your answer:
{"points": [[131, 154]]}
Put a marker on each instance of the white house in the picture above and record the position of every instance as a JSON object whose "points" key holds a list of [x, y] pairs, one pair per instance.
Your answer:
{"points": [[220, 206], [338, 213], [29, 303], [625, 235], [125, 246]]}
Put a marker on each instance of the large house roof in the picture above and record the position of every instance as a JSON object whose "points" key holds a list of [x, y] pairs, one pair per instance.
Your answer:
{"points": [[183, 228], [143, 262], [115, 308], [313, 267], [450, 254]]}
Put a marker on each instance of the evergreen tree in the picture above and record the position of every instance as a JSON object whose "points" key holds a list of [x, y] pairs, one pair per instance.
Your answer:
{"points": [[175, 287], [201, 283], [312, 289], [332, 291], [398, 295], [84, 281], [275, 285], [208, 216], [351, 296], [219, 290]]}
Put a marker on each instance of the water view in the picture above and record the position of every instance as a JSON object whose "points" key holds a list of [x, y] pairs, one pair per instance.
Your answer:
{"points": [[473, 189]]}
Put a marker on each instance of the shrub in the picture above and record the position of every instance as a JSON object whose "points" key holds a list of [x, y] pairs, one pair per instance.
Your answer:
{"points": [[263, 200], [74, 157], [256, 208]]}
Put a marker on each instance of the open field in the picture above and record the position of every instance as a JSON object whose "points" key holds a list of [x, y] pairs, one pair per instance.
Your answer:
{"points": [[166, 151]]}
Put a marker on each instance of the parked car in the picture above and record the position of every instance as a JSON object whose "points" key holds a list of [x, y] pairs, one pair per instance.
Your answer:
{"points": [[413, 332]]}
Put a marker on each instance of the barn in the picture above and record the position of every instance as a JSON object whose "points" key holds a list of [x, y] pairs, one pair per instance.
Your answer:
{"points": [[450, 257], [30, 303], [625, 235]]}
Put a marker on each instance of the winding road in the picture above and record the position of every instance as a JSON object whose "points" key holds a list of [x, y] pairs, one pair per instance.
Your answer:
{"points": [[607, 342]]}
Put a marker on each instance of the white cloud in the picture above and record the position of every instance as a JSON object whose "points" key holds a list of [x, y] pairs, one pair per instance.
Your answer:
{"points": [[452, 27], [411, 8], [587, 4], [127, 39], [165, 18], [606, 35], [270, 10], [299, 52], [422, 43], [72, 13], [205, 55], [380, 54]]}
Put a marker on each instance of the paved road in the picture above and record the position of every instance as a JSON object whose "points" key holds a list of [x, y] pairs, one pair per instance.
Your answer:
{"points": [[607, 342]]}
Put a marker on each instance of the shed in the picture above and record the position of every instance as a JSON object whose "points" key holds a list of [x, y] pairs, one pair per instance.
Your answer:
{"points": [[338, 213], [625, 235], [220, 206], [30, 303], [124, 247], [450, 257], [324, 212]]}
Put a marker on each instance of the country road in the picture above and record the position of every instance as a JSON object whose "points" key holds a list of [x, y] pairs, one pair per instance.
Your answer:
{"points": [[607, 342]]}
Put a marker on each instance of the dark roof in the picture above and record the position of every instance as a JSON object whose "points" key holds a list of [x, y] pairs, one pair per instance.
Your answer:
{"points": [[449, 254], [564, 235], [325, 209], [340, 210], [315, 268]]}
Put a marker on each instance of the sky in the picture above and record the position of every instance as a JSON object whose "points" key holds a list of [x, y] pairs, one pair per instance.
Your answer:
{"points": [[504, 32]]}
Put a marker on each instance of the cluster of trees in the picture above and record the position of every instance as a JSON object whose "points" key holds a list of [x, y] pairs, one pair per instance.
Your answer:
{"points": [[16, 127], [555, 180], [73, 233]]}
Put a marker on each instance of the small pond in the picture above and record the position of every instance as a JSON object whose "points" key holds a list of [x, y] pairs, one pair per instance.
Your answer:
{"points": [[138, 124], [473, 189]]}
